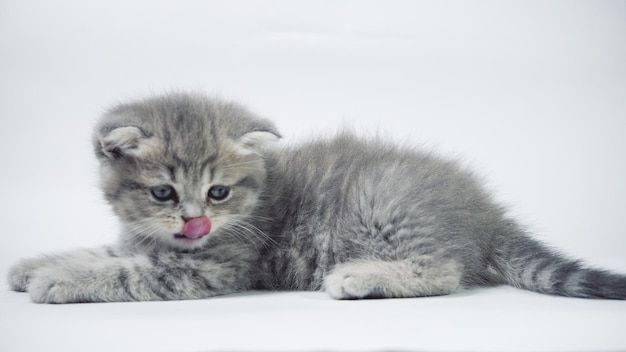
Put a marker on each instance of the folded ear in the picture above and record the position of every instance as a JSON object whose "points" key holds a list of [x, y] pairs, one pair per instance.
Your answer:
{"points": [[251, 142], [127, 141]]}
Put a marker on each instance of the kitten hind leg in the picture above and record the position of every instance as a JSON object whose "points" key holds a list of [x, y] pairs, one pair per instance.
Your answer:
{"points": [[385, 279]]}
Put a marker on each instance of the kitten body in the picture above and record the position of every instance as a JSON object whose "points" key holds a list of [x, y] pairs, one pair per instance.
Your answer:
{"points": [[210, 206]]}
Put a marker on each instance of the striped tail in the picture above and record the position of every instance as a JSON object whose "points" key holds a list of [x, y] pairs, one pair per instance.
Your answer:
{"points": [[525, 263]]}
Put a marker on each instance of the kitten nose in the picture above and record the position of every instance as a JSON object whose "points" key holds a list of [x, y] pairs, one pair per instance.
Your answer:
{"points": [[191, 210], [196, 227]]}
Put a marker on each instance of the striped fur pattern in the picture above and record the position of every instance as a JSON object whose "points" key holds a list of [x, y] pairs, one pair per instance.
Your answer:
{"points": [[357, 218]]}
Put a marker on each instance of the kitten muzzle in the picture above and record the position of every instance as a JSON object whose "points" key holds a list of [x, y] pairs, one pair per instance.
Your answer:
{"points": [[196, 227]]}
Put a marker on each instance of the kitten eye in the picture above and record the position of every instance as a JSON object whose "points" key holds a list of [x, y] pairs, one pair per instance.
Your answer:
{"points": [[163, 193], [219, 192]]}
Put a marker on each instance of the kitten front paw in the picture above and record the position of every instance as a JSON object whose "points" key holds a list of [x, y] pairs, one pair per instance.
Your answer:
{"points": [[20, 274], [54, 285]]}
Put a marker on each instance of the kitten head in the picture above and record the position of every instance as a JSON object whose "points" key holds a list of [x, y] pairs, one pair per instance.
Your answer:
{"points": [[182, 169]]}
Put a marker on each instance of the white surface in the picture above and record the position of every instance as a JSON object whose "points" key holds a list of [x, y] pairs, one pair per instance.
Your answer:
{"points": [[531, 94], [501, 319]]}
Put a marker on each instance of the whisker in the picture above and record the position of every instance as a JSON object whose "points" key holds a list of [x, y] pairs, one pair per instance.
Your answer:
{"points": [[253, 232], [240, 236], [250, 162], [141, 233]]}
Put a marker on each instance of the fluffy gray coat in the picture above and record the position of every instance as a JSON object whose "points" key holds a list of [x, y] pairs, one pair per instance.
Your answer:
{"points": [[210, 206]]}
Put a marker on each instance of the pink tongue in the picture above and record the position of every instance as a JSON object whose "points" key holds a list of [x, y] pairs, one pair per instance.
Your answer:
{"points": [[197, 227]]}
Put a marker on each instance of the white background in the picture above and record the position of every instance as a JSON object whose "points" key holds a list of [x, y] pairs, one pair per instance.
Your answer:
{"points": [[531, 94]]}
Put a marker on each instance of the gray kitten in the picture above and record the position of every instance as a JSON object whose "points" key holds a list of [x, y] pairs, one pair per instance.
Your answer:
{"points": [[210, 207]]}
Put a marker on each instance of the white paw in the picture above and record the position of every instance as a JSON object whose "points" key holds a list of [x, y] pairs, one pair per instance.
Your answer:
{"points": [[20, 275], [405, 278], [54, 285], [353, 282]]}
